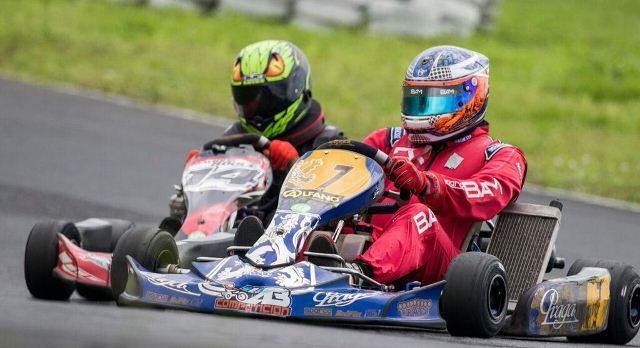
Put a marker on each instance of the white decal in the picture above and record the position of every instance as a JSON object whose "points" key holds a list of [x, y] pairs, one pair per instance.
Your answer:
{"points": [[96, 260], [407, 151], [554, 314], [270, 296], [249, 294], [474, 190], [210, 289], [454, 161], [223, 175], [325, 299], [423, 223], [180, 287], [302, 173]]}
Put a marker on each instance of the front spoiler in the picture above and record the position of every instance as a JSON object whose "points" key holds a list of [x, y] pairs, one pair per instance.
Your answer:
{"points": [[333, 301]]}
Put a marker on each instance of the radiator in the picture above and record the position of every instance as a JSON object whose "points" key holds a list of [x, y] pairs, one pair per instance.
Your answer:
{"points": [[523, 238]]}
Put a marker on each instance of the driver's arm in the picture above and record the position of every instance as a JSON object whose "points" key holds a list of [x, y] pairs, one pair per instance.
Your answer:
{"points": [[483, 195]]}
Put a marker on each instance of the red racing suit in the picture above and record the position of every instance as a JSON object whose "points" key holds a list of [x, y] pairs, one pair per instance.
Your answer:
{"points": [[473, 178]]}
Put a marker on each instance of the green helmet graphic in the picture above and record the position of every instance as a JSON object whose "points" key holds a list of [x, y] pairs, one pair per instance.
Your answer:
{"points": [[271, 87]]}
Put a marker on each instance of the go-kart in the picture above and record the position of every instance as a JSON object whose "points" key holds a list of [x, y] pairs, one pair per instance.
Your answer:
{"points": [[225, 177], [481, 296]]}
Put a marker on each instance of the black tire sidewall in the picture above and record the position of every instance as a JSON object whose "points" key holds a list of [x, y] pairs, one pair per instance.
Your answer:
{"points": [[41, 258], [623, 277], [143, 244], [465, 305]]}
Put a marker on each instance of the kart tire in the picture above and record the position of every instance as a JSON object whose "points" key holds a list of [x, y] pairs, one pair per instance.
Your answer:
{"points": [[624, 306], [152, 247], [474, 298], [41, 258]]}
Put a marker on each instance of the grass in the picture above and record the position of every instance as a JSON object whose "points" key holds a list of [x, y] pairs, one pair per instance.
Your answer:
{"points": [[565, 74]]}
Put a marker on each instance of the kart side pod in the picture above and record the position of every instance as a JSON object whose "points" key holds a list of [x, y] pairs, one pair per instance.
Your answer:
{"points": [[576, 305]]}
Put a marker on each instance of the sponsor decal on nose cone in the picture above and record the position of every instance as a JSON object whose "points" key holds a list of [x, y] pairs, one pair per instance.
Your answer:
{"points": [[324, 299], [414, 308], [312, 194]]}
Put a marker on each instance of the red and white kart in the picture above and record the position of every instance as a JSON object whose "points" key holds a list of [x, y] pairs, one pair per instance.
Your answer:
{"points": [[228, 175]]}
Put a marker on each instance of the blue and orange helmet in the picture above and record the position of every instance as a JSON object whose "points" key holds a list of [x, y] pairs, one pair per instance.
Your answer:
{"points": [[444, 94]]}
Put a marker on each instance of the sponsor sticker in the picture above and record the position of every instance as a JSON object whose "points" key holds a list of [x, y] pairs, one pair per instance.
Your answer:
{"points": [[348, 314], [300, 208], [154, 296], [556, 314], [454, 161], [414, 308], [170, 284], [260, 300], [337, 299], [318, 312], [372, 313], [312, 194], [493, 149]]}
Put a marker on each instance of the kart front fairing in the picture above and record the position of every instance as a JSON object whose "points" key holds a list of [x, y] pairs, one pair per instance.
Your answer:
{"points": [[323, 186], [217, 183], [302, 291]]}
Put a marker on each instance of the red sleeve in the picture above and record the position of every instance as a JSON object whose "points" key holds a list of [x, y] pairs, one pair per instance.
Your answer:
{"points": [[486, 193], [378, 139]]}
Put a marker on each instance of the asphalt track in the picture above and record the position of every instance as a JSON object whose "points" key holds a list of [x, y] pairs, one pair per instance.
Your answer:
{"points": [[64, 155]]}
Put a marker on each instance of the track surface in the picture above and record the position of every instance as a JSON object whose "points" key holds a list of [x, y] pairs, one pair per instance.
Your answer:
{"points": [[73, 157]]}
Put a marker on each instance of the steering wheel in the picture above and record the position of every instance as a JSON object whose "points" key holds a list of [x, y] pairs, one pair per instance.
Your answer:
{"points": [[380, 157], [259, 142]]}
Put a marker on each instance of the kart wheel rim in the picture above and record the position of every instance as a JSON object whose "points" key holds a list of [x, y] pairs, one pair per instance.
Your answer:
{"points": [[497, 297], [163, 260], [634, 306]]}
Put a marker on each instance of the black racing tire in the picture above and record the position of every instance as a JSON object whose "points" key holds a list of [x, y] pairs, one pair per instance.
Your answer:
{"points": [[152, 247], [41, 258], [624, 306], [94, 293], [474, 300]]}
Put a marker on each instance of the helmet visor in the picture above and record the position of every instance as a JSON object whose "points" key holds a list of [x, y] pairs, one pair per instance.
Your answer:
{"points": [[430, 100], [263, 101]]}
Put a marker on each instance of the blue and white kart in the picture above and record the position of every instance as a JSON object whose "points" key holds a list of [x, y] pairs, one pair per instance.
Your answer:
{"points": [[339, 184]]}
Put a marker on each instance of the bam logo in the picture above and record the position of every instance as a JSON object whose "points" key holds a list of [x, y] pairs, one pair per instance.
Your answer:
{"points": [[474, 189]]}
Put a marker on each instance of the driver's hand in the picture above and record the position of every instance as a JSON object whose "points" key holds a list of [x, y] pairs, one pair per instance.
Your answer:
{"points": [[406, 176], [281, 153]]}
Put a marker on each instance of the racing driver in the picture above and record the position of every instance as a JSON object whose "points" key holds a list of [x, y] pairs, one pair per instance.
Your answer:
{"points": [[444, 156], [271, 88]]}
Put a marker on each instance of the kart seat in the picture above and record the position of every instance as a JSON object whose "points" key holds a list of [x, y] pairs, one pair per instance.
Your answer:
{"points": [[102, 234], [349, 245]]}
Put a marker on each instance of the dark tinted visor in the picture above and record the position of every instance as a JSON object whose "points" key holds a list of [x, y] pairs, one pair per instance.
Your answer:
{"points": [[265, 100], [428, 100]]}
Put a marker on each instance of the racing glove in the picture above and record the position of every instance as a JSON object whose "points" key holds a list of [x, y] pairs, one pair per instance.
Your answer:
{"points": [[406, 176], [281, 153]]}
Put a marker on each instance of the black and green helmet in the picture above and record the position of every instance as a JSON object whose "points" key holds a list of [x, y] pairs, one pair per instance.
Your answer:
{"points": [[271, 87]]}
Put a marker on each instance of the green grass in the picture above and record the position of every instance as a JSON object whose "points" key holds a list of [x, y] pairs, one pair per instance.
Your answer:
{"points": [[565, 74]]}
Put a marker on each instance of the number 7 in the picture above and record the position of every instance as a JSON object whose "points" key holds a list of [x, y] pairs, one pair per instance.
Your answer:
{"points": [[342, 171]]}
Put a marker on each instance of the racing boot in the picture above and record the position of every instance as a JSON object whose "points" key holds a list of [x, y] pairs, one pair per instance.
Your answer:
{"points": [[249, 231]]}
